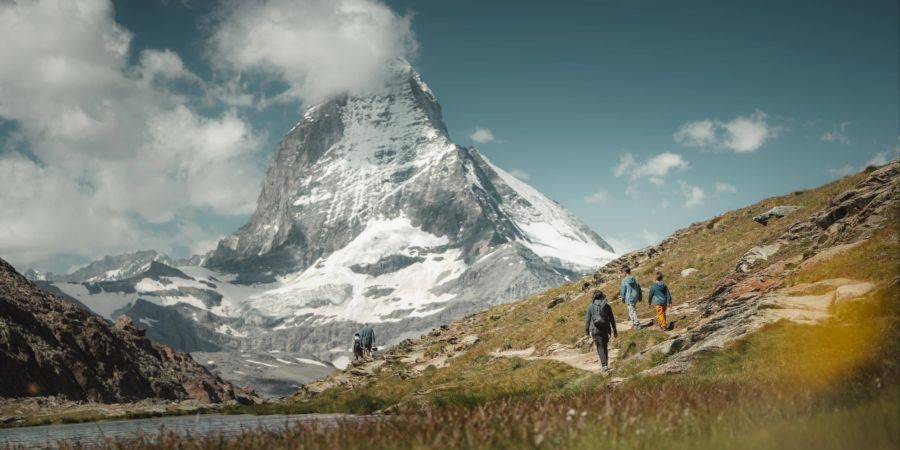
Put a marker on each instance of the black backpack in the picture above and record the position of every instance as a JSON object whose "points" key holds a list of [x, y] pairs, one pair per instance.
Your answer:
{"points": [[598, 315]]}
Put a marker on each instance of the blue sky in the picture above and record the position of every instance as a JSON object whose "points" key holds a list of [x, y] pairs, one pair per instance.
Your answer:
{"points": [[702, 106]]}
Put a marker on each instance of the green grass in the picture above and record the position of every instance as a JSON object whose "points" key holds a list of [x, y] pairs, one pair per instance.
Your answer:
{"points": [[833, 385], [771, 391]]}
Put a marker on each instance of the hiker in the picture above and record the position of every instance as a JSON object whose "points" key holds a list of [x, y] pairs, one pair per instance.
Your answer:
{"points": [[630, 292], [660, 297], [599, 323], [367, 336], [357, 348]]}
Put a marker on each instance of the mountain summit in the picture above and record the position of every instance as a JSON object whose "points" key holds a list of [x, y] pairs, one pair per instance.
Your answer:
{"points": [[357, 163], [371, 213]]}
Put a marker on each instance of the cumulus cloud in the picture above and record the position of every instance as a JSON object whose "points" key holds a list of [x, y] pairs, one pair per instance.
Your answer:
{"points": [[317, 48], [520, 174], [109, 157], [653, 169], [626, 163], [742, 134], [599, 197], [837, 134], [701, 133], [847, 169], [658, 166], [725, 188], [482, 135], [693, 195]]}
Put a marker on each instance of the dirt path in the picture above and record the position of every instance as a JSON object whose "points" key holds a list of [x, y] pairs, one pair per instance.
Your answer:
{"points": [[573, 356]]}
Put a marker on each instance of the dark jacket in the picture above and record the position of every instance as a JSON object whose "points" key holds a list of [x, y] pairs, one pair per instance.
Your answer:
{"points": [[367, 336], [593, 309]]}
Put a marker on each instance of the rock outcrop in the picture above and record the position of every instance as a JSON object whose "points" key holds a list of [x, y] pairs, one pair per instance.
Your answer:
{"points": [[755, 295], [777, 212], [51, 346]]}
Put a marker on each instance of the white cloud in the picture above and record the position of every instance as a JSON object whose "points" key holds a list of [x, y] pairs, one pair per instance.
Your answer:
{"points": [[621, 245], [482, 135], [658, 166], [697, 134], [624, 245], [838, 134], [843, 171], [652, 170], [318, 48], [883, 158], [742, 134], [725, 188], [112, 147], [693, 195], [650, 237], [880, 159], [599, 197], [165, 64], [626, 162], [520, 174]]}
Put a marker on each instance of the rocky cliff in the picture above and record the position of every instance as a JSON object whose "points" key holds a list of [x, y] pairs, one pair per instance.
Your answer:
{"points": [[51, 346]]}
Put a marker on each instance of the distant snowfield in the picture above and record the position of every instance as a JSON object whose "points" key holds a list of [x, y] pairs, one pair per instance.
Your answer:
{"points": [[331, 290]]}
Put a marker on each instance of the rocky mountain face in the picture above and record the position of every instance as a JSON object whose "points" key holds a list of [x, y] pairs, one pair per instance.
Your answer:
{"points": [[110, 268], [368, 214], [51, 346]]}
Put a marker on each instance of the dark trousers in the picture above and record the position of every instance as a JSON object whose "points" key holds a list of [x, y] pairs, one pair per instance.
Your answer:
{"points": [[602, 342]]}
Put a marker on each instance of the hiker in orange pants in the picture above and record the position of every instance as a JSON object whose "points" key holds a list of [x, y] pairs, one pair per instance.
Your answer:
{"points": [[661, 298]]}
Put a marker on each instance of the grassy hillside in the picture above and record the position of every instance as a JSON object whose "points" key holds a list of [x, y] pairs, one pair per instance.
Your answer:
{"points": [[833, 385], [514, 376], [713, 247]]}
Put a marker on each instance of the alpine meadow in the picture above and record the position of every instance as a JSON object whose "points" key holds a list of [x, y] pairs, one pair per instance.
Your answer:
{"points": [[391, 224]]}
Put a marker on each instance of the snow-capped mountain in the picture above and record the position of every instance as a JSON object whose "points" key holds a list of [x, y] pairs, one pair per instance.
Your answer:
{"points": [[110, 268], [368, 214]]}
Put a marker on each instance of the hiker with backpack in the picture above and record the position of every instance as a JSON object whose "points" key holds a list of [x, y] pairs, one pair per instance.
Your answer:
{"points": [[599, 323], [630, 292], [660, 297], [367, 336], [357, 348]]}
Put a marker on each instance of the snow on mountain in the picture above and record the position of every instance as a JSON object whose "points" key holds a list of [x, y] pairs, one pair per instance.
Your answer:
{"points": [[368, 214], [109, 268]]}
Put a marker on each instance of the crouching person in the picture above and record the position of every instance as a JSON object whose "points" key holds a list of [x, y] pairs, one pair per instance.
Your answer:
{"points": [[599, 323]]}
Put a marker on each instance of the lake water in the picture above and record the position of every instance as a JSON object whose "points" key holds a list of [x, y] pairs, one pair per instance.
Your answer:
{"points": [[47, 436]]}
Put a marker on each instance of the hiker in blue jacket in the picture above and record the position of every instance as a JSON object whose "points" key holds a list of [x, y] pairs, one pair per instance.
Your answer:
{"points": [[367, 336], [630, 292], [599, 323], [661, 298]]}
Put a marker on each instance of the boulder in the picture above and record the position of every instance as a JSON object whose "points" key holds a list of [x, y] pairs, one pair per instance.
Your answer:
{"points": [[775, 213], [852, 292], [756, 254], [556, 301], [688, 272]]}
